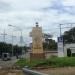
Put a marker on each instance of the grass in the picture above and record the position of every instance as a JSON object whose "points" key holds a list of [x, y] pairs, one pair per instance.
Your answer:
{"points": [[21, 63], [52, 62], [62, 62], [34, 63]]}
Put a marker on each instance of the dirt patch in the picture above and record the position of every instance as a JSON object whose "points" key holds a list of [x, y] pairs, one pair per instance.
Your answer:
{"points": [[59, 71], [10, 72]]}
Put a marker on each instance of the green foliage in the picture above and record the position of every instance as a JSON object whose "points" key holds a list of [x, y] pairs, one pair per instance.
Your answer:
{"points": [[51, 62], [7, 48], [62, 62], [69, 36], [50, 44], [33, 63], [22, 62]]}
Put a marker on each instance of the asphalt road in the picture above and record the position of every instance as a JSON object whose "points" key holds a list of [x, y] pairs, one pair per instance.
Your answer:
{"points": [[9, 63]]}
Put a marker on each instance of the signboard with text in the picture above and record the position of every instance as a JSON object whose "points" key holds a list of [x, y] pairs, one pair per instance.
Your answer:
{"points": [[60, 47]]}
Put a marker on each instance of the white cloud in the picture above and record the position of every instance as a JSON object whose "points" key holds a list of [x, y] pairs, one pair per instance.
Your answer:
{"points": [[28, 4], [69, 2], [24, 14]]}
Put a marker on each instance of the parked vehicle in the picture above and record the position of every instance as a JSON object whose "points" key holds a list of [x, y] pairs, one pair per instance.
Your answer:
{"points": [[6, 56]]}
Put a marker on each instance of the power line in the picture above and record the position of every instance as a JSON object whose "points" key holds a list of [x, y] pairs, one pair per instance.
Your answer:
{"points": [[64, 27]]}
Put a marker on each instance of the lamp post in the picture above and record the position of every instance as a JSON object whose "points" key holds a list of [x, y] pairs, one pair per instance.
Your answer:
{"points": [[21, 39], [4, 34], [12, 41], [19, 30]]}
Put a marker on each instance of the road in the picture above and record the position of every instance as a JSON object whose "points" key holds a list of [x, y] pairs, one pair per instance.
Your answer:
{"points": [[9, 63]]}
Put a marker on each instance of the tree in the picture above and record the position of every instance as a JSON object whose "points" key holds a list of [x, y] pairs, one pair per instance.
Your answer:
{"points": [[50, 44], [7, 48], [69, 36]]}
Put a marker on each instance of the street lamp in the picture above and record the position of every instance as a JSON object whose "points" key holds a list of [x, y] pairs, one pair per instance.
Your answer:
{"points": [[4, 34], [21, 39], [12, 41], [19, 30]]}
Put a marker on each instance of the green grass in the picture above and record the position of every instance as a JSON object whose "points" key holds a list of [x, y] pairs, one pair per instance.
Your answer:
{"points": [[62, 62], [21, 63], [52, 62]]}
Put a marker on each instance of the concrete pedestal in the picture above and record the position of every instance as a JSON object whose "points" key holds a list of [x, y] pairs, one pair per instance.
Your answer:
{"points": [[37, 56]]}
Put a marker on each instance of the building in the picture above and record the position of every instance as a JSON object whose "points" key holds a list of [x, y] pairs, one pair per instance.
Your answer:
{"points": [[69, 49]]}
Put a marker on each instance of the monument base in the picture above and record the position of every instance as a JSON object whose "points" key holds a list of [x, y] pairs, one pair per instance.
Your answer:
{"points": [[37, 56]]}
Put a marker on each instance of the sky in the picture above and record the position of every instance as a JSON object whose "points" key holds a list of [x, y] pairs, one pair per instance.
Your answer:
{"points": [[23, 14]]}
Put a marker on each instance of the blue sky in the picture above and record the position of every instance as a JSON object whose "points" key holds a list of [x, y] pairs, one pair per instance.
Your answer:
{"points": [[24, 14]]}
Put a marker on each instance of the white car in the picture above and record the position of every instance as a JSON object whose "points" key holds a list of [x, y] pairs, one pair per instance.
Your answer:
{"points": [[6, 56]]}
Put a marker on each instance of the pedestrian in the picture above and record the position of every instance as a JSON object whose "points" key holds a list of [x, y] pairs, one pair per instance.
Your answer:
{"points": [[17, 55]]}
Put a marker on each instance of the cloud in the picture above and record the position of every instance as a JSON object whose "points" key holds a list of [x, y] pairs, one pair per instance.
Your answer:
{"points": [[20, 5], [61, 7], [24, 14], [5, 7]]}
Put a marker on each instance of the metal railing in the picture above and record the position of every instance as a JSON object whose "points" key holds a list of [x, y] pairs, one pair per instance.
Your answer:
{"points": [[31, 72]]}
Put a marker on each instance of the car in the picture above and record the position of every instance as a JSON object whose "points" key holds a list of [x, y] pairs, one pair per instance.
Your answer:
{"points": [[6, 56]]}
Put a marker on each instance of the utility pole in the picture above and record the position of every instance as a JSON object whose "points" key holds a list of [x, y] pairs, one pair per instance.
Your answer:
{"points": [[12, 41], [21, 38], [4, 34], [60, 29], [72, 33], [65, 27], [12, 44]]}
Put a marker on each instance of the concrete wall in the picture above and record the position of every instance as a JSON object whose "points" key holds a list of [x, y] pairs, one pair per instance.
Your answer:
{"points": [[70, 46], [50, 53]]}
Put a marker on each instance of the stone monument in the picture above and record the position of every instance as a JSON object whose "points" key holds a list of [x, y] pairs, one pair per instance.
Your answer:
{"points": [[37, 43]]}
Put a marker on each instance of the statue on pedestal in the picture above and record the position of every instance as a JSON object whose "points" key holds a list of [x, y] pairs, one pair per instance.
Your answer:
{"points": [[37, 43]]}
